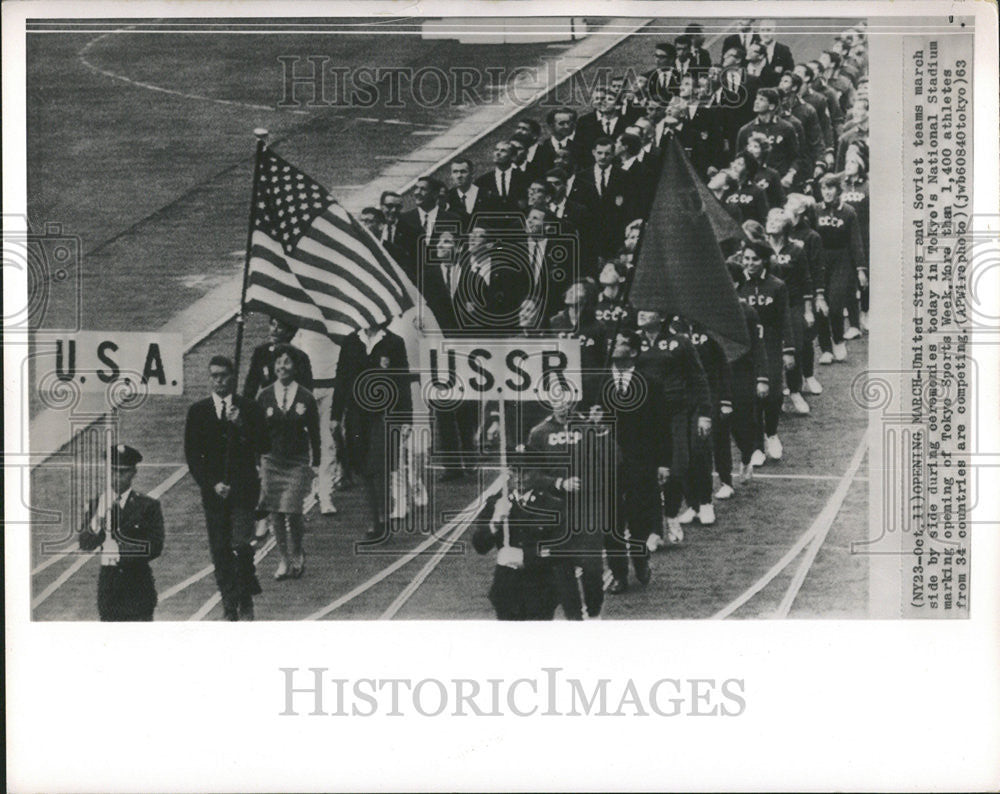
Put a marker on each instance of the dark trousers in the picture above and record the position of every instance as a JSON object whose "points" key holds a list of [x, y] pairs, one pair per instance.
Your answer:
{"points": [[584, 594], [230, 530], [367, 447], [699, 488], [722, 447], [677, 488], [768, 414], [125, 593], [456, 432], [841, 283], [800, 340], [523, 593], [807, 363], [641, 514], [745, 424]]}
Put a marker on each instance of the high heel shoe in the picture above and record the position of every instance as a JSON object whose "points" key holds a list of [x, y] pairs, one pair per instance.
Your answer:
{"points": [[282, 573]]}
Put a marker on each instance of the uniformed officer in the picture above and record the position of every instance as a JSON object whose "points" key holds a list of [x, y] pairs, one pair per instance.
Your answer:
{"points": [[127, 528], [769, 296], [844, 262], [523, 582]]}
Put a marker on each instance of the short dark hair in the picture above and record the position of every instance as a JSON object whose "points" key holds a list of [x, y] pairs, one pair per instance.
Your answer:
{"points": [[522, 139], [386, 194], [374, 212], [740, 51], [604, 140], [632, 143], [557, 173], [834, 57], [432, 183], [796, 79], [550, 117], [668, 48], [465, 160], [810, 73], [682, 41], [770, 94], [219, 360], [531, 124], [831, 180]]}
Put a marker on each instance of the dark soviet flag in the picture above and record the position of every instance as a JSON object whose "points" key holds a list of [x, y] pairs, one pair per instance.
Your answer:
{"points": [[680, 268]]}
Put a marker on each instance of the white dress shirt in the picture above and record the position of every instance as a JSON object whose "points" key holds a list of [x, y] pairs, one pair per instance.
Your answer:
{"points": [[285, 395], [469, 199], [427, 220]]}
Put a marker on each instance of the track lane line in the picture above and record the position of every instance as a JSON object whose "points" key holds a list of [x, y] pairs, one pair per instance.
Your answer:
{"points": [[821, 528], [466, 515], [827, 514]]}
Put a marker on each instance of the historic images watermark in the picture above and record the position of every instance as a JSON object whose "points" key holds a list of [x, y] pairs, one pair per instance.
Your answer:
{"points": [[315, 691]]}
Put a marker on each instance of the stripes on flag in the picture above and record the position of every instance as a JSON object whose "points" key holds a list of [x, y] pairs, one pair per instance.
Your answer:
{"points": [[314, 265]]}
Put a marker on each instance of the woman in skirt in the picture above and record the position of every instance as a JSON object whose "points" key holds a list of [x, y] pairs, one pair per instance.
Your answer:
{"points": [[288, 470]]}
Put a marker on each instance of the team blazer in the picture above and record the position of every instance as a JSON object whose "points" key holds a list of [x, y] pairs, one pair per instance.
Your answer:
{"points": [[294, 434]]}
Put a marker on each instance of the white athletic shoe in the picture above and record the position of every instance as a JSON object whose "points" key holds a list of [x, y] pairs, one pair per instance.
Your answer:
{"points": [[706, 515], [798, 403], [785, 392], [746, 473], [773, 446], [840, 351], [812, 386], [864, 321], [675, 534], [687, 516], [852, 333], [724, 492], [758, 458], [826, 358], [654, 542]]}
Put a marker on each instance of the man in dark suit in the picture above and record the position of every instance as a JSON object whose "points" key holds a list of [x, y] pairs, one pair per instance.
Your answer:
{"points": [[505, 185], [376, 357], [530, 131], [699, 134], [224, 437], [373, 219], [420, 227], [818, 103], [549, 262], [743, 38], [577, 190], [735, 94], [391, 204], [700, 57], [661, 81], [519, 145], [466, 199], [635, 402], [127, 527], [614, 190], [261, 373], [777, 55], [687, 61], [640, 176], [604, 121], [757, 66], [562, 136]]}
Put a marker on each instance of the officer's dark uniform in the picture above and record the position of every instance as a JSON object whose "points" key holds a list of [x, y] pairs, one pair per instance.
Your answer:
{"points": [[789, 264], [720, 388], [769, 296], [843, 257], [130, 536], [558, 450], [522, 589]]}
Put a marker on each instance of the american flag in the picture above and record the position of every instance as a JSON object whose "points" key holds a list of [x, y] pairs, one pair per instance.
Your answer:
{"points": [[311, 263]]}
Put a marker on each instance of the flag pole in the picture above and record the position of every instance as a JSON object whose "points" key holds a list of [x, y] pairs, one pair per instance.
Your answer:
{"points": [[261, 135]]}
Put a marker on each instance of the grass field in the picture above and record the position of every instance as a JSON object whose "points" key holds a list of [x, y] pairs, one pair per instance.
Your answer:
{"points": [[156, 186]]}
